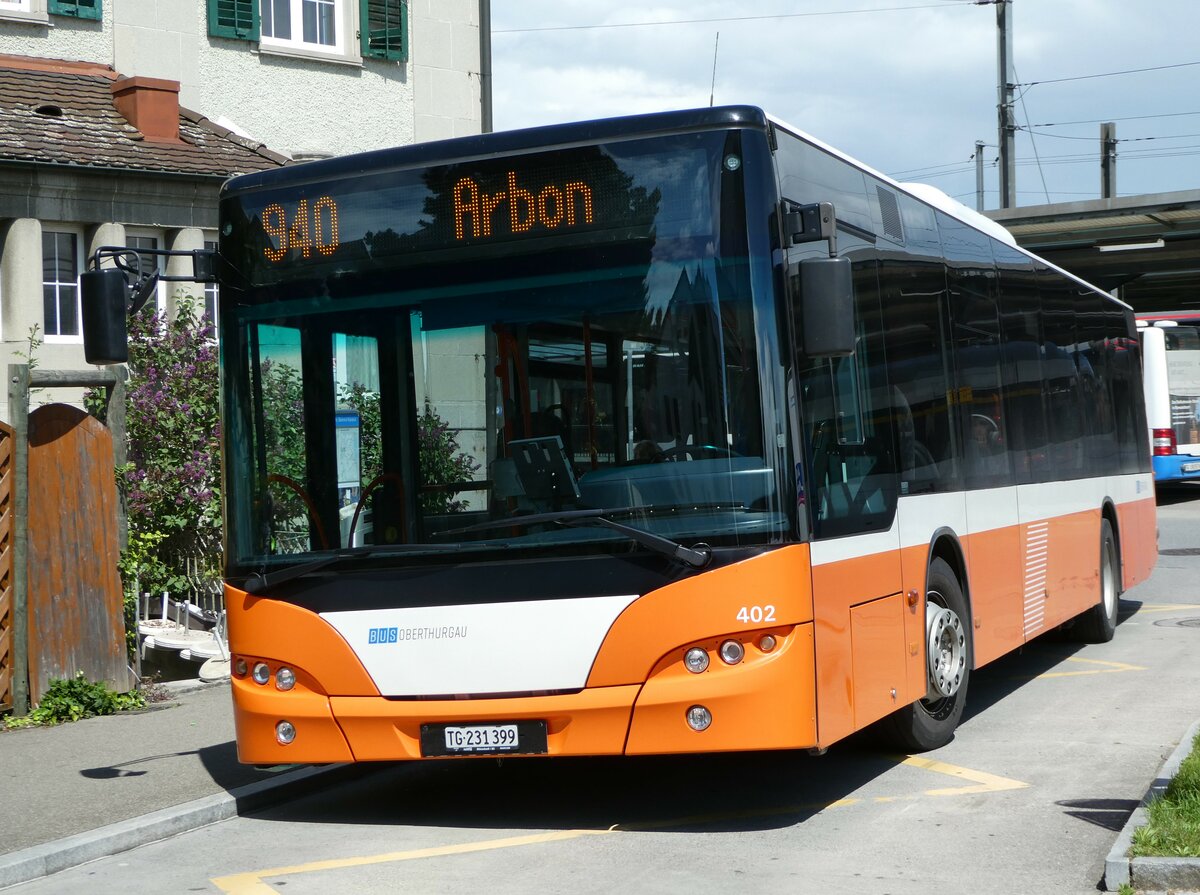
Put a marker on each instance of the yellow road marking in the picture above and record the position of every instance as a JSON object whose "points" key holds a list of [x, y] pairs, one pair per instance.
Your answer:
{"points": [[253, 882], [983, 781], [1107, 668], [1166, 607]]}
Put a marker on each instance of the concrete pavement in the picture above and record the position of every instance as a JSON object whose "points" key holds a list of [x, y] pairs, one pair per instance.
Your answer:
{"points": [[96, 787]]}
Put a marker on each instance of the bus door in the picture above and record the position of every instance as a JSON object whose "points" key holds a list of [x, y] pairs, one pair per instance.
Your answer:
{"points": [[850, 491]]}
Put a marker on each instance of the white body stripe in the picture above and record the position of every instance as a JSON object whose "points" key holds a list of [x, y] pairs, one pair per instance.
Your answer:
{"points": [[482, 647], [918, 516]]}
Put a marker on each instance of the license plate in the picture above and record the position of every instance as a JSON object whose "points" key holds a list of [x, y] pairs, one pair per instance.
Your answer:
{"points": [[1190, 467], [504, 738]]}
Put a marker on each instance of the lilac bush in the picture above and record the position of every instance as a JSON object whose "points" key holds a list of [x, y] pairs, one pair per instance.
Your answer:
{"points": [[171, 481]]}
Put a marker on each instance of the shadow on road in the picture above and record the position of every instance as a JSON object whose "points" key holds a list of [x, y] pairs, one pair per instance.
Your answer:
{"points": [[1110, 814], [725, 792], [1169, 495]]}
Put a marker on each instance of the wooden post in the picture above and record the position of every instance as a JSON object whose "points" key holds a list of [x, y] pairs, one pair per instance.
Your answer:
{"points": [[18, 404]]}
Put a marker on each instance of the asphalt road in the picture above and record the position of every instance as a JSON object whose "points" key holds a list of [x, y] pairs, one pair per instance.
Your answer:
{"points": [[1058, 745]]}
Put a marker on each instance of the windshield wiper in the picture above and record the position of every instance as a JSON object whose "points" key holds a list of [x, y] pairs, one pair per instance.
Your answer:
{"points": [[261, 581], [697, 557]]}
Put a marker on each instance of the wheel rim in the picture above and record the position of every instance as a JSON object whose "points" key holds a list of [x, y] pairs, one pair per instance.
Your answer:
{"points": [[946, 647]]}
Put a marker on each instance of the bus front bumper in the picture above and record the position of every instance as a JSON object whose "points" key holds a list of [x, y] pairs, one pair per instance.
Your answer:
{"points": [[764, 702]]}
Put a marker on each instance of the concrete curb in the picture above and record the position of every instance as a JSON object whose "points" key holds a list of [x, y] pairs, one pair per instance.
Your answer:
{"points": [[1153, 874], [40, 861]]}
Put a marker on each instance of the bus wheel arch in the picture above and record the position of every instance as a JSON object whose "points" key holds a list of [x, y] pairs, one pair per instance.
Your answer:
{"points": [[949, 656], [1098, 623], [1109, 511]]}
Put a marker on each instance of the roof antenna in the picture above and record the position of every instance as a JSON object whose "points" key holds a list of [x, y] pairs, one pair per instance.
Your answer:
{"points": [[713, 88]]}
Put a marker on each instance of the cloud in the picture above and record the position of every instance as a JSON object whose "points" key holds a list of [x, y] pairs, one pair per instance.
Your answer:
{"points": [[900, 89]]}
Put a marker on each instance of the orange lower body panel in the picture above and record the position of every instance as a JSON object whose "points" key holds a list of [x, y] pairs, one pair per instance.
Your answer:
{"points": [[768, 701]]}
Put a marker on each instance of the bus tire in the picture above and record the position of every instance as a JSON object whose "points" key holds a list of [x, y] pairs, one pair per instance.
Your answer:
{"points": [[1098, 624], [930, 722]]}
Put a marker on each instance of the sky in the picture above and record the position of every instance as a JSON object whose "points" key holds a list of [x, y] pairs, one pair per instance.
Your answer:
{"points": [[905, 86]]}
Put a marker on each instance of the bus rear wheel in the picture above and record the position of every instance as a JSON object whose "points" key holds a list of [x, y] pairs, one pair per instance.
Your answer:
{"points": [[1098, 624], [930, 722]]}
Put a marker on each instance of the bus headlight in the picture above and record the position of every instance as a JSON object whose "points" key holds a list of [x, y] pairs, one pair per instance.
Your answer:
{"points": [[698, 718], [285, 679], [262, 673], [732, 652], [285, 732], [696, 660]]}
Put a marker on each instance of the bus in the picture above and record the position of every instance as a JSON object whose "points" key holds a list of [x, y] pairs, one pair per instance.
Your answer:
{"points": [[1171, 361], [671, 433]]}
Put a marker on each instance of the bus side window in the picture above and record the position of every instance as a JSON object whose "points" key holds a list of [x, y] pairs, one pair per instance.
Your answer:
{"points": [[1024, 402], [972, 281], [915, 326], [1064, 402]]}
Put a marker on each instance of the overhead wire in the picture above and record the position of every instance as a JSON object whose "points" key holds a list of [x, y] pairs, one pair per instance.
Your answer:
{"points": [[785, 15], [1032, 142], [1106, 74]]}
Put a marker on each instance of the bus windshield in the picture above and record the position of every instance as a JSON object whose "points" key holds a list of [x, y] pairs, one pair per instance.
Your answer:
{"points": [[509, 342]]}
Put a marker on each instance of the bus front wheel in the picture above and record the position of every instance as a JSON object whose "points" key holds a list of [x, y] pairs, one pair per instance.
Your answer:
{"points": [[930, 722]]}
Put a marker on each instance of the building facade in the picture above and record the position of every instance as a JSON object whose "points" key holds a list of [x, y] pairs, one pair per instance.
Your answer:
{"points": [[120, 120], [308, 78]]}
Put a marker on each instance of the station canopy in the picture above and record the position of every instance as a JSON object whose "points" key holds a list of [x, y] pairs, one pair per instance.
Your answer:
{"points": [[1143, 249]]}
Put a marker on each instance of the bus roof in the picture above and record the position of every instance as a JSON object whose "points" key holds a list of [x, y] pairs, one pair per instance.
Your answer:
{"points": [[550, 136], [583, 133]]}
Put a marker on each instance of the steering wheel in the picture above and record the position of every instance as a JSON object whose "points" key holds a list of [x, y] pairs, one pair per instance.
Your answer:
{"points": [[367, 491], [694, 452], [308, 505]]}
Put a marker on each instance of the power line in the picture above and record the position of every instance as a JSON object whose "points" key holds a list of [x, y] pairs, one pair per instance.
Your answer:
{"points": [[1108, 74], [788, 15], [1032, 142], [1103, 120]]}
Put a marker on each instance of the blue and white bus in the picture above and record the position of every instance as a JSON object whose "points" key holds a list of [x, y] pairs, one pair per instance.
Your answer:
{"points": [[1171, 358]]}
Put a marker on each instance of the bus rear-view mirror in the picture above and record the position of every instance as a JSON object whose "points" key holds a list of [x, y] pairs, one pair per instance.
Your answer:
{"points": [[826, 307]]}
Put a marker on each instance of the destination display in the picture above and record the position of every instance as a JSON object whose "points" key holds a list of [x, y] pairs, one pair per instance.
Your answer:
{"points": [[398, 217]]}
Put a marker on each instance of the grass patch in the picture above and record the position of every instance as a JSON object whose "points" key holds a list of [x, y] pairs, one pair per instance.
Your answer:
{"points": [[1173, 829]]}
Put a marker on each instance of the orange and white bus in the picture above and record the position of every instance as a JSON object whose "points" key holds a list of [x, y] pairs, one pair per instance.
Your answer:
{"points": [[660, 434]]}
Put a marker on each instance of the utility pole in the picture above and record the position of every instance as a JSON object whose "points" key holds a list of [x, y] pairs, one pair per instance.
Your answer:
{"points": [[485, 66], [1008, 127], [979, 175], [1108, 160]]}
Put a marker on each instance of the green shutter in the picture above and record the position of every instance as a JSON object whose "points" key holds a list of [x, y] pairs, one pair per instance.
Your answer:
{"points": [[76, 9], [384, 29], [233, 18]]}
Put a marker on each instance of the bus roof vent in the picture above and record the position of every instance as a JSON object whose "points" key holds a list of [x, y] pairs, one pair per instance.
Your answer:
{"points": [[889, 210]]}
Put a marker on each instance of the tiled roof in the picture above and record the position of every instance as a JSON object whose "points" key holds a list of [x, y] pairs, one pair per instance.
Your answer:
{"points": [[62, 113]]}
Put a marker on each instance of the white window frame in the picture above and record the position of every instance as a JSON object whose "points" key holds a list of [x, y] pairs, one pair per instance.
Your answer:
{"points": [[80, 248], [344, 49], [24, 11], [159, 237], [211, 290]]}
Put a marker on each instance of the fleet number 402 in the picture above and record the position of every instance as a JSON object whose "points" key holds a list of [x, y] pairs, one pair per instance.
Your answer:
{"points": [[756, 614]]}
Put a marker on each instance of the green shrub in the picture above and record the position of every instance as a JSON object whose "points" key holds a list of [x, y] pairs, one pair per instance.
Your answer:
{"points": [[73, 699]]}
